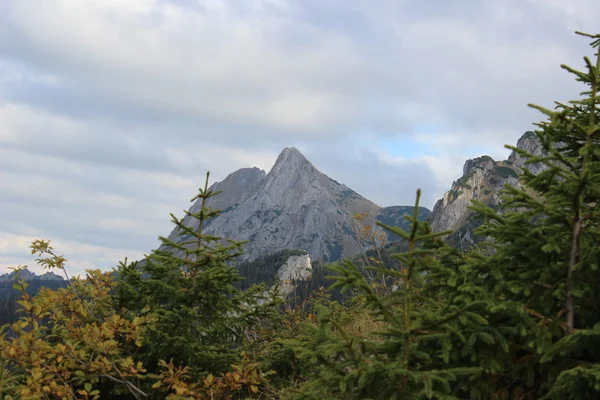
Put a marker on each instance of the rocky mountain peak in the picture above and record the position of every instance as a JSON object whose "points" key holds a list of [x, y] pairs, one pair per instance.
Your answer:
{"points": [[483, 162], [530, 143], [290, 160], [482, 179], [294, 206], [290, 153]]}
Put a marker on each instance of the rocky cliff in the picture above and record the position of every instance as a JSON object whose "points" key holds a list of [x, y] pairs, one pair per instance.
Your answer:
{"points": [[530, 143], [294, 206], [482, 179], [295, 268]]}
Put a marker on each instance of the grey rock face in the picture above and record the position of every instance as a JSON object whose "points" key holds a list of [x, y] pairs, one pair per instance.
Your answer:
{"points": [[530, 143], [294, 206], [235, 187], [296, 268], [482, 179]]}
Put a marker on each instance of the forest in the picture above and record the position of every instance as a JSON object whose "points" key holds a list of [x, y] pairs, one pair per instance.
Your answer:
{"points": [[516, 316]]}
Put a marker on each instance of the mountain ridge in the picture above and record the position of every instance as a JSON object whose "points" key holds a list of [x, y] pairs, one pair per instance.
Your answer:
{"points": [[483, 178], [28, 275], [293, 206]]}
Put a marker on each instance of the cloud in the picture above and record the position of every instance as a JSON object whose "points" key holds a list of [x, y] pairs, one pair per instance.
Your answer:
{"points": [[209, 62], [111, 112]]}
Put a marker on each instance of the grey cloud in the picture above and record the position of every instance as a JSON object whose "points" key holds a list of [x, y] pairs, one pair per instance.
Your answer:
{"points": [[419, 63]]}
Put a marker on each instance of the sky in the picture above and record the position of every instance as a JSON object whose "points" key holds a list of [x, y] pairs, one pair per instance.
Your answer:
{"points": [[112, 111]]}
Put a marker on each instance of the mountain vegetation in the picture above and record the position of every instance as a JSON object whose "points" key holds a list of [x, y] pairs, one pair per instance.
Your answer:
{"points": [[514, 316]]}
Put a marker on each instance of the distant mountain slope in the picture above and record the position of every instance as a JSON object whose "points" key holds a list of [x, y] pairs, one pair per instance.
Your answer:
{"points": [[28, 276], [294, 206]]}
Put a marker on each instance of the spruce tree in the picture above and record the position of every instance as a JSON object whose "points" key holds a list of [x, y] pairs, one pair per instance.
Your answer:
{"points": [[189, 286], [407, 356], [541, 277]]}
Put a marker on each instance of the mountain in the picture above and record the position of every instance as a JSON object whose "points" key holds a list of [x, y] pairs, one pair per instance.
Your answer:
{"points": [[30, 276], [294, 206], [234, 188], [482, 179]]}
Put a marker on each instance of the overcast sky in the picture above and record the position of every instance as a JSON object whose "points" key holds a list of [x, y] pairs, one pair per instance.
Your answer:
{"points": [[112, 111]]}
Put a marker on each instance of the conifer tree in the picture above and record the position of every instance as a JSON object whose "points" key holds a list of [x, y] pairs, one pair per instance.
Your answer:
{"points": [[188, 285], [542, 275], [408, 356]]}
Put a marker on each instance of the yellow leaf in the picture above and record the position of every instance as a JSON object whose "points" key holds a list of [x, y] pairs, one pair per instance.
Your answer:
{"points": [[253, 388]]}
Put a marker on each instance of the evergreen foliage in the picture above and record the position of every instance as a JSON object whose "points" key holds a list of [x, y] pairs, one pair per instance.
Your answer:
{"points": [[201, 318], [264, 269], [407, 357], [524, 322], [542, 272]]}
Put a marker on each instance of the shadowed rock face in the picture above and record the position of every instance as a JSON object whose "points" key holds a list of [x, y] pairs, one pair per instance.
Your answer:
{"points": [[482, 179], [235, 187]]}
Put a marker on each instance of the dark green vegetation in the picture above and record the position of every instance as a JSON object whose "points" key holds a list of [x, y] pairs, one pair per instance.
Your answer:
{"points": [[9, 297], [516, 316], [505, 172], [264, 269], [396, 216]]}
